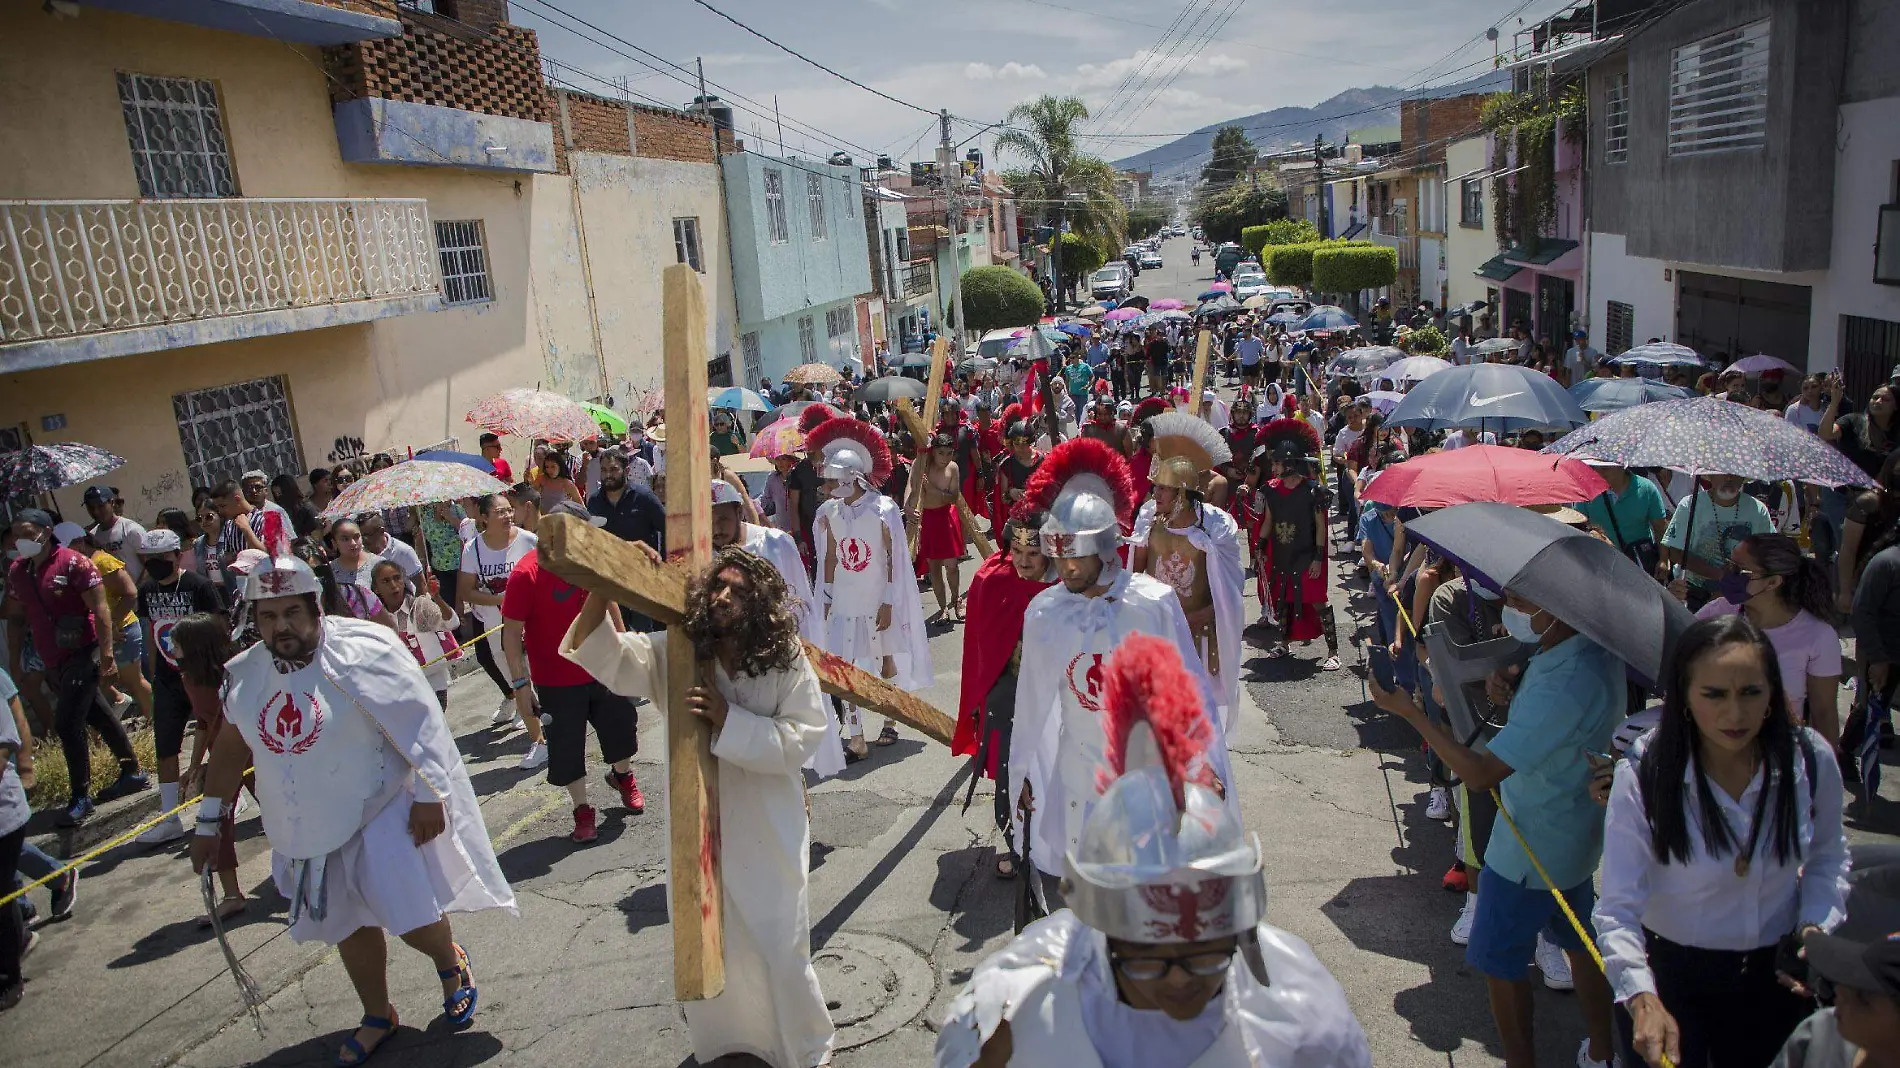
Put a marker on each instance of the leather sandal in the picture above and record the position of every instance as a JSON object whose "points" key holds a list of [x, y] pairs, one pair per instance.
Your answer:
{"points": [[464, 994], [353, 1053]]}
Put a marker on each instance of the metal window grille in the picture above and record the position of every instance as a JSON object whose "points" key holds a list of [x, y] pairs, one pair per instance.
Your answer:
{"points": [[1616, 119], [227, 430], [177, 133], [458, 243], [807, 340], [815, 200], [1718, 92], [776, 222], [1870, 351], [839, 322], [1620, 324], [754, 361], [1471, 202], [686, 242]]}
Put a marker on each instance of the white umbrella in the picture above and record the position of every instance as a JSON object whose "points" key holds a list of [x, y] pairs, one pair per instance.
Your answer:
{"points": [[1414, 369], [1495, 345]]}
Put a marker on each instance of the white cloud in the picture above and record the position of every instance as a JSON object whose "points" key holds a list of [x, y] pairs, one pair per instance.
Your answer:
{"points": [[983, 72], [1220, 64]]}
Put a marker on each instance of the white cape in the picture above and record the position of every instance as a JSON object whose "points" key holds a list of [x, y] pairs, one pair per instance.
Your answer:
{"points": [[778, 549], [1218, 537], [911, 647], [772, 1007]]}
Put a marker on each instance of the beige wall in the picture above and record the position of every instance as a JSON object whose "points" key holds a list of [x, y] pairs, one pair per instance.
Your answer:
{"points": [[1466, 249]]}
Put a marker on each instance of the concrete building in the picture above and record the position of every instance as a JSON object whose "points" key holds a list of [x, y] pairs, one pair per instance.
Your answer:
{"points": [[1469, 239]]}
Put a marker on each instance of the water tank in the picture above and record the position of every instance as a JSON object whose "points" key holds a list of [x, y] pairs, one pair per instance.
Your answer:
{"points": [[884, 163], [715, 109], [840, 159]]}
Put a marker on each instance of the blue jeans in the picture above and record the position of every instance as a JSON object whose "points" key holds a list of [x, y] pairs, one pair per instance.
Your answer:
{"points": [[34, 864]]}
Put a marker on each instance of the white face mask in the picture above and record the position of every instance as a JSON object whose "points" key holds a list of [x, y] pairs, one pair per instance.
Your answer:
{"points": [[842, 490], [26, 548], [1520, 625]]}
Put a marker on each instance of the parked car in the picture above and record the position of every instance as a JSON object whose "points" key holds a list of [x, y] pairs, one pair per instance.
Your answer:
{"points": [[1150, 259], [1248, 283], [997, 343], [1227, 257], [1113, 282]]}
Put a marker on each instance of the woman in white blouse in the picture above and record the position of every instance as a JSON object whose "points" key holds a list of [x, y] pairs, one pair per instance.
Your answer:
{"points": [[1723, 840]]}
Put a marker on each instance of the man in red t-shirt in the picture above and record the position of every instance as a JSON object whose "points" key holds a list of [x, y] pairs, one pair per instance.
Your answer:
{"points": [[491, 451], [60, 596], [536, 611]]}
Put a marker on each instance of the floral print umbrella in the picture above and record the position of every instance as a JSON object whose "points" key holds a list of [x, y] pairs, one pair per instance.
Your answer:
{"points": [[45, 468], [814, 374], [1706, 436], [777, 439], [411, 483], [534, 413]]}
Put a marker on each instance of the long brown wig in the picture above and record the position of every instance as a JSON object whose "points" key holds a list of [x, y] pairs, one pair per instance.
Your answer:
{"points": [[766, 634]]}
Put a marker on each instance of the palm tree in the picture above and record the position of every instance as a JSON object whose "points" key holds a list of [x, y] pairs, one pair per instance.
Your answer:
{"points": [[1060, 178]]}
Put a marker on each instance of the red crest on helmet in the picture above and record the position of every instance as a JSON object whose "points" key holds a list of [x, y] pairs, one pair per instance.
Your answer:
{"points": [[1081, 456], [858, 431]]}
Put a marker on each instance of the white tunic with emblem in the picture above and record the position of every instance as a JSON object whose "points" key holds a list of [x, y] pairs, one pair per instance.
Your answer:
{"points": [[865, 577], [343, 748], [778, 549], [1056, 739]]}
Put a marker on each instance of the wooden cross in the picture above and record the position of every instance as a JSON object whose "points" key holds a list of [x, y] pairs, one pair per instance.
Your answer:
{"points": [[1199, 381], [605, 565], [920, 432], [933, 393]]}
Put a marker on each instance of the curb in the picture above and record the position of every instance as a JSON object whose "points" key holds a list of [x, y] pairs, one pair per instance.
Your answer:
{"points": [[107, 823]]}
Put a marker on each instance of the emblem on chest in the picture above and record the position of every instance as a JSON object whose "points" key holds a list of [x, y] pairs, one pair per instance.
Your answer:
{"points": [[854, 554], [1178, 571], [285, 727], [1087, 680]]}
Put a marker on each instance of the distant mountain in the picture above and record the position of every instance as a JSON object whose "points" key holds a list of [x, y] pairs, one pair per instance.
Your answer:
{"points": [[1284, 128]]}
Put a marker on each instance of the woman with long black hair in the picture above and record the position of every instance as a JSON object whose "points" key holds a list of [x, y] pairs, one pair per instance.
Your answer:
{"points": [[1786, 593], [1722, 845]]}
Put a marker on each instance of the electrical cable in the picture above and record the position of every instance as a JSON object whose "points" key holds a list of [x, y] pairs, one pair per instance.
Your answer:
{"points": [[788, 50]]}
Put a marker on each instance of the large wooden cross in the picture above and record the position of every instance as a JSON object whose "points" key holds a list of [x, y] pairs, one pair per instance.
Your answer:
{"points": [[605, 565]]}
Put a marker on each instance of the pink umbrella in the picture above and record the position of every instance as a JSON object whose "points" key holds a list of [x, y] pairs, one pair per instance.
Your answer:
{"points": [[1123, 314], [533, 413], [1169, 304], [1756, 364], [1224, 287], [778, 438]]}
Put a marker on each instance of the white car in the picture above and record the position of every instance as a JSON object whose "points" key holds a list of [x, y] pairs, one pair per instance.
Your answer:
{"points": [[1249, 283], [1151, 259]]}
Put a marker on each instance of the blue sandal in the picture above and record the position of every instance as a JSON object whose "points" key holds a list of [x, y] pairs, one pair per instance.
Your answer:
{"points": [[352, 1047], [464, 995]]}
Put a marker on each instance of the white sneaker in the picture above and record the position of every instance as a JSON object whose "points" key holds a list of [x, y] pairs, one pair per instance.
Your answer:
{"points": [[1584, 1061], [535, 757], [505, 714], [168, 830], [1461, 931], [243, 807], [1439, 807], [1556, 968]]}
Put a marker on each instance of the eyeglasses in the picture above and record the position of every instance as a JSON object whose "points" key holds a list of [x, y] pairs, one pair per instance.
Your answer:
{"points": [[1150, 969]]}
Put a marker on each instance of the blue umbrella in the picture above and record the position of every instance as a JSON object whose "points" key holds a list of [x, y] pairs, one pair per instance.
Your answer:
{"points": [[1286, 317], [1492, 396], [738, 398], [1212, 294], [1615, 394], [1076, 329], [466, 459], [1328, 317]]}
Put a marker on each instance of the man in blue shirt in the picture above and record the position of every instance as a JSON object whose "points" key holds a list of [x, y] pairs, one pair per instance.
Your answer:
{"points": [[1567, 703]]}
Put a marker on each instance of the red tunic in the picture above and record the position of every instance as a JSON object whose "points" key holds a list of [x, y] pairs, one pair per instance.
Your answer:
{"points": [[1306, 590], [997, 601]]}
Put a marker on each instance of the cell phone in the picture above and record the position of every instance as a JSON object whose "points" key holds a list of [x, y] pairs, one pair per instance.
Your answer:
{"points": [[1599, 759], [1379, 660]]}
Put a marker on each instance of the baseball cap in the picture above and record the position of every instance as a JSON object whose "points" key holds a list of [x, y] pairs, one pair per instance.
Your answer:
{"points": [[100, 494], [247, 559], [575, 510], [723, 493], [1864, 951], [68, 532], [159, 540]]}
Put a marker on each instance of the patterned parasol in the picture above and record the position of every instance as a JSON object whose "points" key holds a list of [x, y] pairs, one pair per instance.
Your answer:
{"points": [[534, 413], [778, 438], [1706, 436], [814, 374], [411, 483], [45, 468]]}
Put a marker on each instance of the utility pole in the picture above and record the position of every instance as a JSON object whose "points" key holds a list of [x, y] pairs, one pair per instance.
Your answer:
{"points": [[1319, 175], [951, 174], [781, 125]]}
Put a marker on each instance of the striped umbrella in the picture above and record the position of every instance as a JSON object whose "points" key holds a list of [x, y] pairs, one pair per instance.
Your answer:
{"points": [[534, 413], [738, 398]]}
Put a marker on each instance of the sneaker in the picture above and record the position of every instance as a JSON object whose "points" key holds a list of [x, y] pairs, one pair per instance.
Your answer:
{"points": [[1439, 807], [505, 714], [1584, 1061], [629, 791], [242, 808], [77, 813], [128, 783], [535, 757], [32, 943], [1461, 931], [1556, 968], [1456, 879], [65, 891], [165, 830], [585, 825]]}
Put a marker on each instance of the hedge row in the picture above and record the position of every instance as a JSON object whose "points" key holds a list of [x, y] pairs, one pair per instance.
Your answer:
{"points": [[1295, 265]]}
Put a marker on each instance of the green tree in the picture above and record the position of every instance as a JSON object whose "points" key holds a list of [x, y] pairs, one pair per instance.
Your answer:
{"points": [[1290, 265], [1229, 157], [1081, 257], [1279, 232], [1073, 190], [998, 296], [1224, 213], [1351, 268], [1145, 220]]}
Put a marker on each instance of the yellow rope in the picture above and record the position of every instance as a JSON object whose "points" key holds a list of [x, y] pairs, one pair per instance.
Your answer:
{"points": [[115, 843]]}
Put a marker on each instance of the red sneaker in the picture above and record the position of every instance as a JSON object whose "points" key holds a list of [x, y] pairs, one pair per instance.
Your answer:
{"points": [[629, 791], [585, 830], [1456, 880]]}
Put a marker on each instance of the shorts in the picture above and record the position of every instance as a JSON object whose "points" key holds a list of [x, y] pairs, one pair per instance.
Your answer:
{"points": [[1250, 371], [171, 714], [570, 709], [130, 646], [30, 662], [1510, 916], [1477, 814]]}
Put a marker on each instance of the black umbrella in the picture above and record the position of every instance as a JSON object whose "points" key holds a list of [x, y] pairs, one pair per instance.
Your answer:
{"points": [[1585, 582], [890, 387], [1494, 396], [1136, 301], [910, 359]]}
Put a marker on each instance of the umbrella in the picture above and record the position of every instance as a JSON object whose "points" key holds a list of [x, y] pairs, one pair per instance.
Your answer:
{"points": [[1123, 314], [1167, 304], [1706, 436], [888, 388], [1171, 313], [444, 456], [975, 364], [1493, 396], [910, 359], [778, 438], [1495, 345], [1485, 473], [45, 468], [1212, 294], [1285, 317], [1136, 301], [1073, 329], [1383, 399], [609, 420], [1356, 362], [1761, 361], [534, 413], [1258, 300], [1615, 394], [1416, 368], [1328, 317], [737, 398], [1221, 305], [792, 410], [814, 374], [1661, 353], [1587, 583], [1094, 311], [411, 483], [1222, 287]]}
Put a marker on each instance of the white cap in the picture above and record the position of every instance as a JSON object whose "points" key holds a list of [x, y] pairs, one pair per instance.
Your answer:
{"points": [[280, 576], [724, 493], [159, 540]]}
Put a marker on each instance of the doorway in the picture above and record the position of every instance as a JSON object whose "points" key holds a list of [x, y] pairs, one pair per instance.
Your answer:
{"points": [[1556, 301], [1725, 319]]}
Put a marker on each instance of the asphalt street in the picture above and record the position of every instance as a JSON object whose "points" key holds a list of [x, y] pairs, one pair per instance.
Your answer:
{"points": [[903, 901]]}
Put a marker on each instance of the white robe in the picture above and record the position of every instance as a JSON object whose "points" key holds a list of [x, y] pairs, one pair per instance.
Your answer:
{"points": [[1056, 739], [849, 609], [778, 549], [1049, 984], [772, 1007], [366, 691], [1217, 536]]}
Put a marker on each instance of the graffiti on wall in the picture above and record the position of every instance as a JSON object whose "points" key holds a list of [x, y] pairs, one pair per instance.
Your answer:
{"points": [[346, 448]]}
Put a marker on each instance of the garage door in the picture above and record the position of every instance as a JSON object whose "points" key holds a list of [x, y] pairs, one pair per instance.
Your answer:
{"points": [[1727, 318]]}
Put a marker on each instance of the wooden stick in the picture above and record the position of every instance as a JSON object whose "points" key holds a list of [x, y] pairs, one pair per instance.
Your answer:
{"points": [[1200, 371], [939, 356], [697, 903], [916, 426]]}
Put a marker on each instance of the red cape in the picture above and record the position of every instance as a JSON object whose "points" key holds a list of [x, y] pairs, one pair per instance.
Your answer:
{"points": [[994, 624]]}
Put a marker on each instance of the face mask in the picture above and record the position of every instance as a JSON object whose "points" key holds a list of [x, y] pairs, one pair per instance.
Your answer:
{"points": [[1518, 625], [1733, 586], [160, 568], [841, 490], [26, 548]]}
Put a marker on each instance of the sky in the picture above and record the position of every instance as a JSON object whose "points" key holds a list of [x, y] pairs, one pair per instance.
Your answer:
{"points": [[981, 57]]}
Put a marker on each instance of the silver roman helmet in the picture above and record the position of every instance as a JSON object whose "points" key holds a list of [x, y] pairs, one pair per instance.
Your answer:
{"points": [[1087, 491]]}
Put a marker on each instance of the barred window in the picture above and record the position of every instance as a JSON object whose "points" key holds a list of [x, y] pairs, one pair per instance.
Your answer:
{"points": [[1718, 92], [176, 129], [458, 243], [1620, 323], [807, 340], [686, 242], [778, 228], [815, 200], [1616, 119], [754, 361], [1471, 202], [227, 430], [839, 322]]}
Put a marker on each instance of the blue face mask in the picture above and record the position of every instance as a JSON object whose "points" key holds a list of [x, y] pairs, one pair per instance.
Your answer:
{"points": [[1520, 625], [1733, 585]]}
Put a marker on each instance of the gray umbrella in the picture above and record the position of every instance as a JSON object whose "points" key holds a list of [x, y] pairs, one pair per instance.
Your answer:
{"points": [[889, 388], [1493, 396], [1585, 582]]}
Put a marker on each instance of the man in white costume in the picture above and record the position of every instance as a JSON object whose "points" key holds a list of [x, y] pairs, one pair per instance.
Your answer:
{"points": [[1163, 957], [372, 822], [777, 548], [762, 701], [1085, 488], [865, 589]]}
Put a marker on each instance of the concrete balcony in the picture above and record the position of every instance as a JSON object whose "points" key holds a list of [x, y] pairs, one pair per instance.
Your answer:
{"points": [[1406, 244], [916, 278], [95, 279]]}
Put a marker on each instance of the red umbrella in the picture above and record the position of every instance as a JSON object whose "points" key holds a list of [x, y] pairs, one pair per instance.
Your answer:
{"points": [[1485, 473]]}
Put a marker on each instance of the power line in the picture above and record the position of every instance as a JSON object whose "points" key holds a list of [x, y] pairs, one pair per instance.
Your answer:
{"points": [[1213, 28], [1142, 59], [788, 50], [1329, 58]]}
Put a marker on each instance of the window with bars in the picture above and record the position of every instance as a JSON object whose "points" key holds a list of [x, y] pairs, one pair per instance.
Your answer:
{"points": [[1616, 119], [176, 128], [227, 430], [807, 340], [1619, 327], [1471, 203], [1718, 92], [754, 360], [778, 228], [815, 201], [839, 322], [458, 243], [686, 242]]}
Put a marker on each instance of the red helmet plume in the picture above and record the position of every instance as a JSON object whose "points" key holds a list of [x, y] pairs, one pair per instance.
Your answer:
{"points": [[1011, 412], [1079, 456], [809, 419], [1290, 434], [1148, 683], [1146, 410], [856, 430]]}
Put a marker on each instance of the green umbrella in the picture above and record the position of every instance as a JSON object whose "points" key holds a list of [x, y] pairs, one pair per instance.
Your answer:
{"points": [[606, 417]]}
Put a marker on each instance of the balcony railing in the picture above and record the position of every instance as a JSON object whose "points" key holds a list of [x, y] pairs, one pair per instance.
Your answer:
{"points": [[75, 267], [1406, 245], [916, 278]]}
